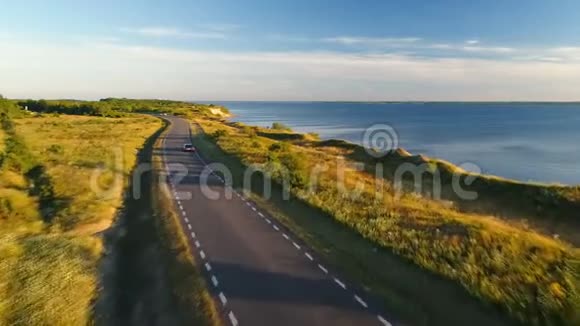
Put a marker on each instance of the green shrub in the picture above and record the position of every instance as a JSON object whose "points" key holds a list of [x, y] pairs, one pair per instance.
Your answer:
{"points": [[280, 126], [219, 133], [287, 166], [297, 169]]}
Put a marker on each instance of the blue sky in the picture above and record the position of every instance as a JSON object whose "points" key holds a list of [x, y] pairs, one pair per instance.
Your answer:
{"points": [[292, 50]]}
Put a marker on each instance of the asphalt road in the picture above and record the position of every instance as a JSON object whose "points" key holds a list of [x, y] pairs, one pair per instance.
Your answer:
{"points": [[259, 273]]}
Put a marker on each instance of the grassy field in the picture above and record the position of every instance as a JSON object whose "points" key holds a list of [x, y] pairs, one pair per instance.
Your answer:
{"points": [[77, 151], [529, 276], [49, 215]]}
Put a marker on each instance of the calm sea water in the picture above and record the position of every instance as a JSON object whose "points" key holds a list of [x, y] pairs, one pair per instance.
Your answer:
{"points": [[529, 142]]}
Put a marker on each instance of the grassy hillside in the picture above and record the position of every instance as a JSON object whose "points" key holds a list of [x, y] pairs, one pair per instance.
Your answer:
{"points": [[550, 209], [530, 276], [49, 213]]}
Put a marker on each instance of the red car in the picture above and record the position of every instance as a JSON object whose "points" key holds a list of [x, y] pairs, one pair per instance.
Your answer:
{"points": [[188, 148]]}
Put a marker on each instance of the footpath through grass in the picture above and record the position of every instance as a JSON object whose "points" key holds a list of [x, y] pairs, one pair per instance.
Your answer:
{"points": [[429, 256]]}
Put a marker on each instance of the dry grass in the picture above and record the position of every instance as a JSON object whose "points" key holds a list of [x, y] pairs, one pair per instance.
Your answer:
{"points": [[49, 277], [74, 149]]}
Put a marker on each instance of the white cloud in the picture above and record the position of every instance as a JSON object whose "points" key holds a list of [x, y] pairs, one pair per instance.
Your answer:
{"points": [[102, 70], [441, 46], [220, 27], [415, 43], [565, 53], [488, 49], [172, 32], [372, 41]]}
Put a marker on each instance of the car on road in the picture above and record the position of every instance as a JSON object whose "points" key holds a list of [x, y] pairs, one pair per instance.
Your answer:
{"points": [[188, 148]]}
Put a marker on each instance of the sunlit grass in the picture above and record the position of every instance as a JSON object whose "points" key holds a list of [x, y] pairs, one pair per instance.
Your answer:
{"points": [[47, 276], [75, 149], [2, 142], [531, 276], [47, 279]]}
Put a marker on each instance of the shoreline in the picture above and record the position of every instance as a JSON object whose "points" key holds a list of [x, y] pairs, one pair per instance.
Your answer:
{"points": [[427, 158]]}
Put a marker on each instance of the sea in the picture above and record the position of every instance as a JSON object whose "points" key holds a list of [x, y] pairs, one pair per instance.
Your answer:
{"points": [[538, 142]]}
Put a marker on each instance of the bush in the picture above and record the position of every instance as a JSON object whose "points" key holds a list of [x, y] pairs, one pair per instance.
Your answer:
{"points": [[287, 166], [219, 133], [297, 170], [250, 131], [279, 147], [280, 126]]}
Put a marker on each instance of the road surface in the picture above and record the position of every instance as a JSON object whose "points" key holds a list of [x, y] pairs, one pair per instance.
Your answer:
{"points": [[260, 274]]}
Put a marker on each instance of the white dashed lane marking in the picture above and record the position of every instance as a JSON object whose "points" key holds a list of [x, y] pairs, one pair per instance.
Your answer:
{"points": [[202, 254], [342, 285], [197, 244], [384, 321], [309, 256], [361, 301], [285, 236], [322, 268], [193, 234], [189, 226], [296, 245], [233, 319], [261, 215], [268, 221], [186, 220], [223, 298], [276, 227], [214, 281], [208, 267]]}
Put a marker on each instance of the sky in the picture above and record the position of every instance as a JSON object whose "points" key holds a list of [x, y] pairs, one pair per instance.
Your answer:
{"points": [[333, 50]]}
